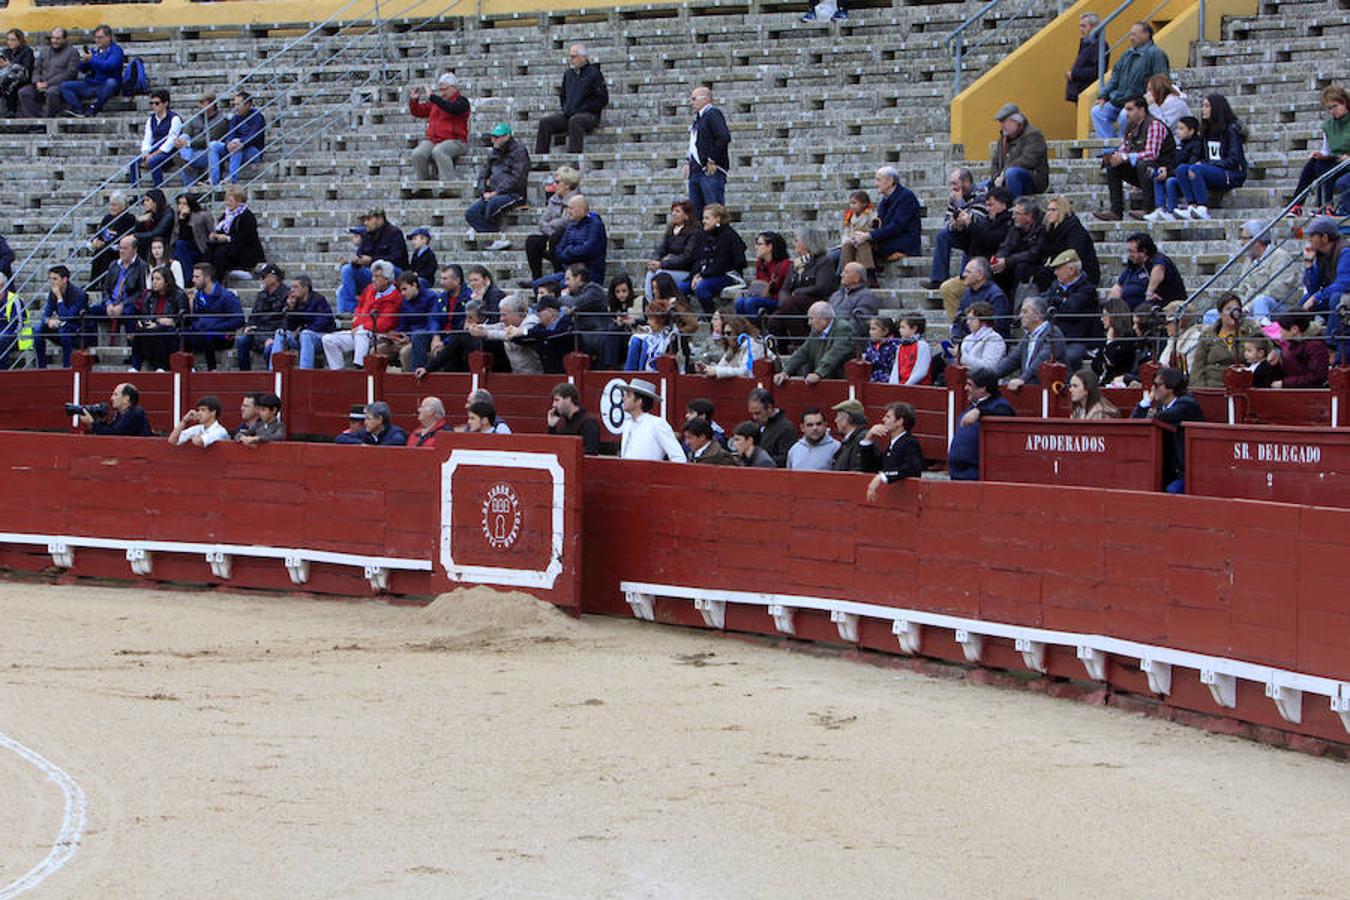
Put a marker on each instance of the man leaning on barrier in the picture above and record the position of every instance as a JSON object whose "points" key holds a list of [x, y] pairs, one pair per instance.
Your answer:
{"points": [[128, 418]]}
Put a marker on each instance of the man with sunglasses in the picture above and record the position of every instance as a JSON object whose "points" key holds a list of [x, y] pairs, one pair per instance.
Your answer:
{"points": [[159, 142]]}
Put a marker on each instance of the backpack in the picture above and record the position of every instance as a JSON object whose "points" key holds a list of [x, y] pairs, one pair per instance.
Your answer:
{"points": [[134, 79]]}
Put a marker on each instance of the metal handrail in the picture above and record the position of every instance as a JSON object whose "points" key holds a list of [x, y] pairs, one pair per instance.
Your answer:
{"points": [[1099, 33], [958, 33]]}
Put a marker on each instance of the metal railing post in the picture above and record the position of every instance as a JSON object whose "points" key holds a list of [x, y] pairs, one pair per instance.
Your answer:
{"points": [[960, 40], [1200, 15]]}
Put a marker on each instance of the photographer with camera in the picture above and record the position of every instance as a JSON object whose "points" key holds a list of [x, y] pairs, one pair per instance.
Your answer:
{"points": [[129, 419], [201, 426]]}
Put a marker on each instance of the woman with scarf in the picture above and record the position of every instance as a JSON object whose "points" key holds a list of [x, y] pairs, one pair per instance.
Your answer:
{"points": [[234, 244]]}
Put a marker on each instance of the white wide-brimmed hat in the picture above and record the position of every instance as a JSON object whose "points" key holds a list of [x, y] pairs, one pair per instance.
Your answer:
{"points": [[645, 388]]}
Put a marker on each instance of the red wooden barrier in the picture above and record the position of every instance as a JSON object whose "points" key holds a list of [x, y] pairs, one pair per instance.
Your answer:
{"points": [[1289, 465], [1125, 454]]}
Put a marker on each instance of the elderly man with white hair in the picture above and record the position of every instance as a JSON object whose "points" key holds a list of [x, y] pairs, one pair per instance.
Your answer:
{"points": [[430, 422], [1271, 279], [377, 312], [447, 114], [515, 322], [1042, 342], [584, 97], [827, 349], [897, 234]]}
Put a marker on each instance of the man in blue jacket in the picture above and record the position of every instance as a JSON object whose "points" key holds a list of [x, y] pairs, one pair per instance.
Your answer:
{"points": [[584, 97], [963, 455], [216, 315], [583, 241], [900, 219], [420, 317], [245, 140], [103, 77], [308, 317], [62, 318], [1328, 281], [708, 160]]}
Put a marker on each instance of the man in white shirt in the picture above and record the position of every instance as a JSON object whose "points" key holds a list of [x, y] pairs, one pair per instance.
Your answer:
{"points": [[201, 426], [645, 435], [157, 144]]}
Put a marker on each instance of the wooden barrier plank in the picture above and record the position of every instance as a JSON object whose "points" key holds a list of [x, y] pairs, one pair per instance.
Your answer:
{"points": [[1125, 454]]}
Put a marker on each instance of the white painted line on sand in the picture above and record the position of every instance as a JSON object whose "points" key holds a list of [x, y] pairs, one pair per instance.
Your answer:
{"points": [[72, 823]]}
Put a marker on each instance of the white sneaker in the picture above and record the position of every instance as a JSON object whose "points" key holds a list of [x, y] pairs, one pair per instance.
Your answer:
{"points": [[1200, 212], [1159, 215], [500, 244], [470, 234], [1183, 212]]}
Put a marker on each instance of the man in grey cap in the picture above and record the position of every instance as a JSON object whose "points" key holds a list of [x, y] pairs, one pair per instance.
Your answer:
{"points": [[1020, 161], [1271, 278], [850, 422], [1077, 311], [1331, 275]]}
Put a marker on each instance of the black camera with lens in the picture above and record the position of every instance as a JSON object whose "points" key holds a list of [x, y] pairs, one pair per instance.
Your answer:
{"points": [[97, 410]]}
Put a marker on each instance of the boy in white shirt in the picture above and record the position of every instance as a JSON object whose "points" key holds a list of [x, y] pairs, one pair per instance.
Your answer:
{"points": [[201, 425]]}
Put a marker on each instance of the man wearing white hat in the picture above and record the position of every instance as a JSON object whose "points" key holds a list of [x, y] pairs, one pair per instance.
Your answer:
{"points": [[647, 436]]}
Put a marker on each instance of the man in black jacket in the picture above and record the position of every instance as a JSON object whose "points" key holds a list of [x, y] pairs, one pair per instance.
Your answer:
{"points": [[708, 159], [1076, 309], [268, 315], [777, 434], [1084, 70], [129, 418], [850, 423], [902, 458], [502, 183], [1169, 402], [381, 239], [584, 97]]}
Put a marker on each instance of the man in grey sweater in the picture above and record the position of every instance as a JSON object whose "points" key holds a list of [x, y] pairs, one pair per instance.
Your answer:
{"points": [[57, 63]]}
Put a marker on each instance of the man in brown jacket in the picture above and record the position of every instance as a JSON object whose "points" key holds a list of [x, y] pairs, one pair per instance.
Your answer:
{"points": [[703, 447], [1020, 161]]}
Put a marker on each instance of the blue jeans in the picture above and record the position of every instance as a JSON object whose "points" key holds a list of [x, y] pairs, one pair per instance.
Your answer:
{"points": [[1265, 306], [352, 280], [942, 254], [708, 290], [240, 158], [155, 164], [1107, 120], [195, 161], [1165, 194], [1018, 181], [186, 253], [705, 188], [66, 334], [243, 349], [281, 341], [750, 306], [482, 214], [309, 345], [1176, 487], [421, 348], [1197, 178], [76, 94], [1341, 192]]}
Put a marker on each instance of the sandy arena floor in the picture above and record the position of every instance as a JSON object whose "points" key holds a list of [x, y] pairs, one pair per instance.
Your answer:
{"points": [[245, 746]]}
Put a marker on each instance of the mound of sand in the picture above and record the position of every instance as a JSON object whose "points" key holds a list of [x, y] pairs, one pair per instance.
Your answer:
{"points": [[481, 616]]}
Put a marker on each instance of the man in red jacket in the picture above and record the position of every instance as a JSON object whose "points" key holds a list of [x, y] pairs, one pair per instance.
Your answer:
{"points": [[447, 115], [376, 313]]}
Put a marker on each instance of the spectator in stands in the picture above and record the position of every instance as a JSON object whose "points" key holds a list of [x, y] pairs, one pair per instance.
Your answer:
{"points": [[708, 160], [1224, 164], [965, 204], [159, 256], [447, 113], [1328, 280], [1020, 161], [214, 315], [704, 448], [983, 238], [1148, 275], [681, 249], [898, 235], [380, 240], [1334, 148], [566, 416], [159, 142], [514, 323], [651, 341], [102, 79], [1183, 337], [853, 302], [1086, 400], [265, 426], [129, 418], [356, 426], [1271, 274], [123, 285], [552, 335], [503, 184], [983, 347], [1303, 357], [380, 428], [422, 259], [776, 432], [201, 144], [583, 95], [1083, 72], [431, 421], [376, 313], [419, 320], [487, 425], [583, 241], [16, 332], [1042, 342], [1150, 336], [624, 303], [814, 11], [1220, 343], [1166, 102], [815, 449], [1128, 79], [980, 288], [192, 227], [914, 357], [855, 233], [883, 343], [1170, 402], [773, 267], [62, 318], [234, 243], [812, 280], [893, 448], [267, 317], [307, 319], [200, 426], [246, 137], [1072, 300], [1019, 256], [1064, 231], [155, 221], [963, 453], [118, 221], [723, 257], [560, 187], [16, 69], [586, 303], [450, 344], [825, 351], [1146, 145], [741, 347], [57, 64], [451, 353], [850, 420], [745, 448], [1260, 357], [1166, 187], [1115, 361], [645, 434], [702, 408]]}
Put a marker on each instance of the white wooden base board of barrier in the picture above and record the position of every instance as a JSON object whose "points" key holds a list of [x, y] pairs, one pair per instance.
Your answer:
{"points": [[1220, 674]]}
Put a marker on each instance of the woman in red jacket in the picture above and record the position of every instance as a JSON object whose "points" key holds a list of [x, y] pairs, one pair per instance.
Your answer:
{"points": [[447, 115]]}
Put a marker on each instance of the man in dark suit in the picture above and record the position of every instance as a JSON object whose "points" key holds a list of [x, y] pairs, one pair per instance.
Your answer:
{"points": [[708, 160], [850, 423], [1170, 402], [1042, 342], [902, 457], [583, 95]]}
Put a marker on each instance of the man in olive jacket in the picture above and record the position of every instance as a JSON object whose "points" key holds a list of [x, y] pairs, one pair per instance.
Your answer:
{"points": [[1128, 79], [827, 349], [1020, 161]]}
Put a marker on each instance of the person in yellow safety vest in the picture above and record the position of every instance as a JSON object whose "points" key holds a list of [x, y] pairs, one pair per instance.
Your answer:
{"points": [[16, 331]]}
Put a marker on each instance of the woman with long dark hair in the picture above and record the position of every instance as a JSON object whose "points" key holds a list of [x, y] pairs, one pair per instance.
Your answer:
{"points": [[772, 268], [1223, 162], [159, 324], [191, 231], [156, 220]]}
